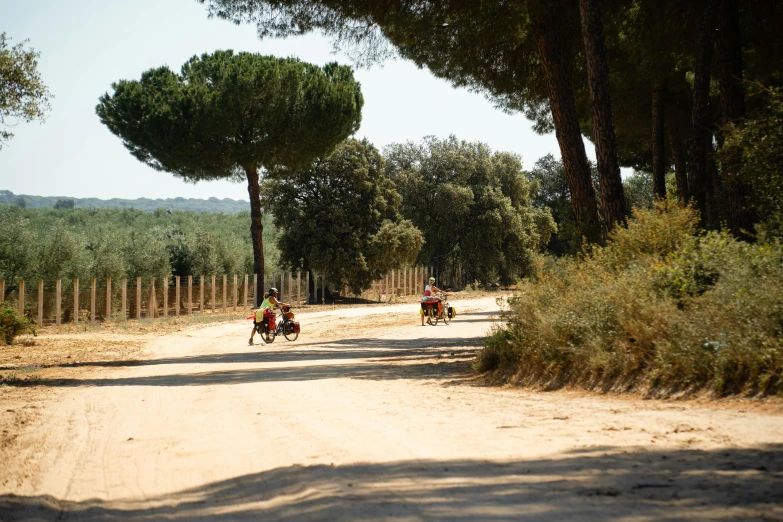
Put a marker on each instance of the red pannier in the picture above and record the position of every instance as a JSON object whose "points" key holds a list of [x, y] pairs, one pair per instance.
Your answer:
{"points": [[296, 326], [270, 317]]}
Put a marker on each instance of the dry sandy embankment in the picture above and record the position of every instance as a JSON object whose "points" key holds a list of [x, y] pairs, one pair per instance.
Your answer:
{"points": [[367, 416]]}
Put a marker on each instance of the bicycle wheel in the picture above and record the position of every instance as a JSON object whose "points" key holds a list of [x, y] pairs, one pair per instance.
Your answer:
{"points": [[433, 315], [445, 317], [288, 331], [260, 331]]}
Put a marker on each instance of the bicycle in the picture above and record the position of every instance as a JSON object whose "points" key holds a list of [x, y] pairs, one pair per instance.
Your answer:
{"points": [[288, 327], [432, 315]]}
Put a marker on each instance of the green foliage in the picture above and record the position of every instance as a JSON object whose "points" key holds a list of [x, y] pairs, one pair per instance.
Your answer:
{"points": [[760, 141], [638, 190], [226, 112], [64, 204], [473, 206], [23, 95], [340, 217], [551, 191], [12, 324], [212, 205], [658, 308], [65, 244]]}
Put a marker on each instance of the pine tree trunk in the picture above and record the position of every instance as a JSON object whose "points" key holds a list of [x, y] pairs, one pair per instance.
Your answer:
{"points": [[611, 183], [555, 65], [732, 103], [658, 140], [698, 180], [680, 164], [256, 225]]}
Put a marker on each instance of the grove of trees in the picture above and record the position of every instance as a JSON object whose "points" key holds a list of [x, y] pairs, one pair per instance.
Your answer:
{"points": [[654, 83], [213, 205], [341, 216], [473, 206], [65, 244]]}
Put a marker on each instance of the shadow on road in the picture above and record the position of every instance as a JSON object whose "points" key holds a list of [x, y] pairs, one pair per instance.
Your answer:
{"points": [[374, 371], [603, 484], [376, 359], [335, 350]]}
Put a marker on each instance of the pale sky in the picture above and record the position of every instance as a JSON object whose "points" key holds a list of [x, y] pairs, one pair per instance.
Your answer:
{"points": [[86, 45]]}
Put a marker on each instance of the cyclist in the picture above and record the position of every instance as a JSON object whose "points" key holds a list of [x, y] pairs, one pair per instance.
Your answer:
{"points": [[270, 300], [430, 291]]}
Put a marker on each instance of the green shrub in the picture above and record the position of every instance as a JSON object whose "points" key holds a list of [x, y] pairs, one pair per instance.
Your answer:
{"points": [[659, 307], [12, 324]]}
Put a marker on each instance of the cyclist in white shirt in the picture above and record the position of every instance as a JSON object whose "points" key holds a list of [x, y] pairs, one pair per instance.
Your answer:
{"points": [[430, 291]]}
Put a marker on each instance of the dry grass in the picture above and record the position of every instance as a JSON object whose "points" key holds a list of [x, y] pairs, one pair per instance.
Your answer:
{"points": [[659, 308]]}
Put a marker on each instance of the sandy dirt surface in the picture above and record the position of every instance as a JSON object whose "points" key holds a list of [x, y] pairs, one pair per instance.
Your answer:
{"points": [[368, 416]]}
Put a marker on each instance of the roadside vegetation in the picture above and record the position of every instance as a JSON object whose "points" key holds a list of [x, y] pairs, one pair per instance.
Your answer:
{"points": [[12, 324], [662, 308]]}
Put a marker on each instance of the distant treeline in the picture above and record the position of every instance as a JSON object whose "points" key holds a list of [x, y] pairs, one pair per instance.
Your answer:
{"points": [[211, 205], [81, 243]]}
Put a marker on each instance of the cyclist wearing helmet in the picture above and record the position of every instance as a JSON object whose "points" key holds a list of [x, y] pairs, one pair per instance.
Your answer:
{"points": [[430, 291], [270, 300]]}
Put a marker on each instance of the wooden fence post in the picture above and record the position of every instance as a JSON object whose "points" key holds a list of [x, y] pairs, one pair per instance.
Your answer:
{"points": [[107, 315], [58, 303], [2, 290], [298, 287], [282, 286], [124, 299], [108, 299], [164, 285], [290, 286], [255, 290], [75, 301], [307, 287], [40, 301], [152, 306], [323, 289], [244, 294], [93, 287], [190, 295], [21, 297], [138, 299], [176, 295], [201, 293], [225, 291], [213, 293], [236, 292]]}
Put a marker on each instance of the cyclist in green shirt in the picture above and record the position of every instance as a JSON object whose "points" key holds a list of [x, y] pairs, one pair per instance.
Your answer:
{"points": [[270, 300]]}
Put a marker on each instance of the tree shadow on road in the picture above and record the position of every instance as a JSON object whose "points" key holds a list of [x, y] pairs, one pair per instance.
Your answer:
{"points": [[594, 484], [333, 350], [359, 358]]}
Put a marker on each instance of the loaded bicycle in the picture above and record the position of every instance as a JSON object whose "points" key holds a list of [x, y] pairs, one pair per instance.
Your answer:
{"points": [[270, 327], [438, 309]]}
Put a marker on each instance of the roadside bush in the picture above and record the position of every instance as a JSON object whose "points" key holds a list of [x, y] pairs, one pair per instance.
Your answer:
{"points": [[12, 324], [658, 308]]}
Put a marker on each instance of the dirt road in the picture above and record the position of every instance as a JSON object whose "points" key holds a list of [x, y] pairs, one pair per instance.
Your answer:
{"points": [[372, 417]]}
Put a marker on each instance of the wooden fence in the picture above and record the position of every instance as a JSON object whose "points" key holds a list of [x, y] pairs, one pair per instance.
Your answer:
{"points": [[72, 301]]}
